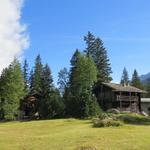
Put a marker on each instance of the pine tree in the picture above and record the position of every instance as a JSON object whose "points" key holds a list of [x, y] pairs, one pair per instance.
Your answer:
{"points": [[83, 74], [31, 81], [95, 49], [3, 80], [125, 77], [48, 104], [102, 62], [136, 80], [37, 77], [26, 77], [56, 106], [90, 42], [36, 85], [12, 88], [47, 87], [63, 78]]}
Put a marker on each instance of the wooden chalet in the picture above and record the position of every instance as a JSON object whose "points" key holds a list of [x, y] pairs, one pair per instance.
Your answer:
{"points": [[121, 97]]}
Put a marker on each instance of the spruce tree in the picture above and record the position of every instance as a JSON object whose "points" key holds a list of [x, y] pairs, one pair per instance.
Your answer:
{"points": [[90, 42], [83, 74], [56, 106], [3, 79], [136, 80], [12, 90], [125, 78], [36, 85], [95, 49], [46, 90], [26, 77], [48, 103], [63, 78]]}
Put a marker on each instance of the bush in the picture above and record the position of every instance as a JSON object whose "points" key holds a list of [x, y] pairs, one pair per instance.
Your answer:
{"points": [[107, 122], [132, 118], [103, 116], [113, 110], [87, 147]]}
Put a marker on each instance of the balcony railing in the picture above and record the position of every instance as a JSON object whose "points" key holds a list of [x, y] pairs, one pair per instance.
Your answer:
{"points": [[127, 98]]}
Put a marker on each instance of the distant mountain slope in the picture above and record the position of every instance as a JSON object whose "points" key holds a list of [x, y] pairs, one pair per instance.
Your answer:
{"points": [[145, 77]]}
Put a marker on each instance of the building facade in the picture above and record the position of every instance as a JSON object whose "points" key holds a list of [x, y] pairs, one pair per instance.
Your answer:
{"points": [[123, 98]]}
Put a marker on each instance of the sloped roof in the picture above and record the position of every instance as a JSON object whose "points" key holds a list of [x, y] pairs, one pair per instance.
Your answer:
{"points": [[119, 87]]}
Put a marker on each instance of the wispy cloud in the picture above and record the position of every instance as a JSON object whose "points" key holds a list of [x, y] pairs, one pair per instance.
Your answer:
{"points": [[13, 36]]}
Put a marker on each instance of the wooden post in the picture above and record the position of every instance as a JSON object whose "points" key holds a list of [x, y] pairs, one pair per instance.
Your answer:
{"points": [[130, 101], [136, 103], [120, 103]]}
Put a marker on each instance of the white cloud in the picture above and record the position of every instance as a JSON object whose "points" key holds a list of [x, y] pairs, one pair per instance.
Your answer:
{"points": [[13, 37]]}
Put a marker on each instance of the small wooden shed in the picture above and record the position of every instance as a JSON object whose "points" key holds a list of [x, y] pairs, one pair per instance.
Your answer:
{"points": [[123, 98]]}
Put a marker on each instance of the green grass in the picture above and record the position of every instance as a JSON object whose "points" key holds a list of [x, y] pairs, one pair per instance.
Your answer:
{"points": [[70, 134]]}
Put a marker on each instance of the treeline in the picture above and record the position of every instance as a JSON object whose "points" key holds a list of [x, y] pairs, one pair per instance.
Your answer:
{"points": [[31, 94], [135, 81]]}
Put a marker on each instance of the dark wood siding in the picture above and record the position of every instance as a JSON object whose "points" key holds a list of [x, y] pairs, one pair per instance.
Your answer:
{"points": [[107, 99]]}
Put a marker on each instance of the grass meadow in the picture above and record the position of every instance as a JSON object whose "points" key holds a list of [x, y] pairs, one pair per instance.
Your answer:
{"points": [[72, 134]]}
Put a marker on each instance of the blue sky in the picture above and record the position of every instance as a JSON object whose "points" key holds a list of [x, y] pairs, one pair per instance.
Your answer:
{"points": [[56, 28]]}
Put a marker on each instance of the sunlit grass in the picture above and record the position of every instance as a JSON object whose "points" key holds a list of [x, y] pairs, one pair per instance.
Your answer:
{"points": [[70, 134]]}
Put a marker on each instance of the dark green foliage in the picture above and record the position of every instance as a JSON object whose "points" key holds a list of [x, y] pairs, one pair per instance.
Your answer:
{"points": [[37, 96], [46, 90], [11, 90], [63, 78], [125, 78], [95, 49], [26, 77], [90, 42], [83, 74], [51, 103], [136, 80], [48, 102], [133, 118], [36, 86], [36, 77], [56, 105], [94, 108]]}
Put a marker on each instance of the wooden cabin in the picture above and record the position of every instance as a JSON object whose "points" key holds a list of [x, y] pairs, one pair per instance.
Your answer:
{"points": [[123, 98]]}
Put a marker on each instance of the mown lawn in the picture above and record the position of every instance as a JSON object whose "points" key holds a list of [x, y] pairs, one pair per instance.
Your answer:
{"points": [[70, 134]]}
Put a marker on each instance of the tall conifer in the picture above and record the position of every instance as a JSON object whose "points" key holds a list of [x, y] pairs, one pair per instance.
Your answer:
{"points": [[125, 77], [12, 90], [95, 49], [136, 80]]}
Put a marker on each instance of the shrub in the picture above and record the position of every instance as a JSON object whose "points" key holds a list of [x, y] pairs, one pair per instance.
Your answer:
{"points": [[103, 116], [132, 118], [107, 122], [113, 110], [107, 116]]}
